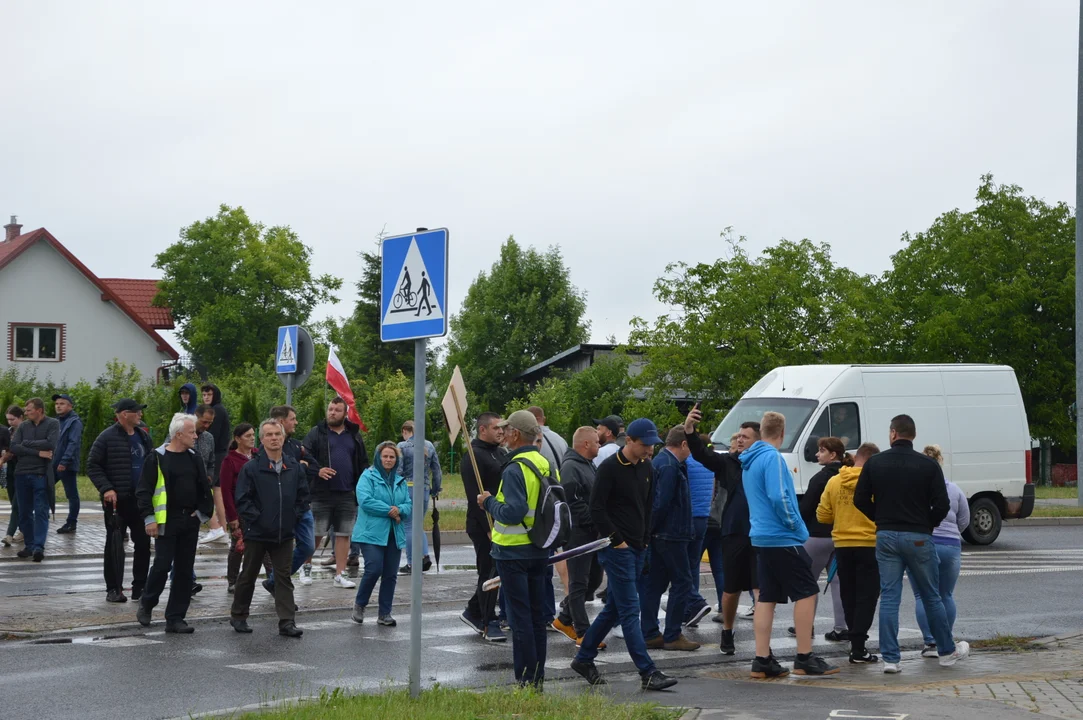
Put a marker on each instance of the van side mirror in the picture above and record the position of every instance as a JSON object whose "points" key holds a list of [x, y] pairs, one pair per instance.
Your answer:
{"points": [[811, 446]]}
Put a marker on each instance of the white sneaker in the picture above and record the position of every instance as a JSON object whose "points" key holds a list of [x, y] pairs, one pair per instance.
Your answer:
{"points": [[344, 582], [304, 576], [18, 537], [892, 668], [746, 613], [213, 536], [962, 652]]}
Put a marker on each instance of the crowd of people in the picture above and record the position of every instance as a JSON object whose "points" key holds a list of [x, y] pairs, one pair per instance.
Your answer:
{"points": [[865, 519]]}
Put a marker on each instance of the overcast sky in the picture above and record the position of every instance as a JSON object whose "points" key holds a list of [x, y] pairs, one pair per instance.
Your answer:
{"points": [[627, 133]]}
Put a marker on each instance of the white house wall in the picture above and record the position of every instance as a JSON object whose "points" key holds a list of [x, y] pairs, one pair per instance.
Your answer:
{"points": [[41, 286]]}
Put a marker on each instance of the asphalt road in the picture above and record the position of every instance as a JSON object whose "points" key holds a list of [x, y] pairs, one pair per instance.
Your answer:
{"points": [[1026, 584]]}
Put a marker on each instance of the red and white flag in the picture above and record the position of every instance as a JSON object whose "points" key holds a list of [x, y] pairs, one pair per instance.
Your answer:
{"points": [[336, 378]]}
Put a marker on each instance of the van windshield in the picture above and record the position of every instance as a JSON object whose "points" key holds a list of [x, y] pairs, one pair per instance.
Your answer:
{"points": [[797, 413]]}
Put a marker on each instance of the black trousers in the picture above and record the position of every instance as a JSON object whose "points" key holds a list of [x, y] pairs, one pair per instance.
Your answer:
{"points": [[482, 604], [177, 549], [584, 577], [129, 518], [859, 584]]}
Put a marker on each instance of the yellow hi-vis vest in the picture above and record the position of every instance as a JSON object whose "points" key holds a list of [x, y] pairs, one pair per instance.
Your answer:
{"points": [[158, 499], [509, 535]]}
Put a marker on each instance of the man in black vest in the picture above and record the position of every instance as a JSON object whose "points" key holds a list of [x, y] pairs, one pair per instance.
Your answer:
{"points": [[115, 465]]}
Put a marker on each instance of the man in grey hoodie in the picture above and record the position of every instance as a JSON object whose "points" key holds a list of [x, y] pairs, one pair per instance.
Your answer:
{"points": [[33, 445], [584, 572]]}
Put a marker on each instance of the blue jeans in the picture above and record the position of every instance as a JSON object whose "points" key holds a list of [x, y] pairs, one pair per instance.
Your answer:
{"points": [[916, 554], [669, 568], [381, 563], [712, 545], [407, 525], [622, 567], [304, 544], [33, 510], [523, 583], [71, 489], [950, 558], [695, 555]]}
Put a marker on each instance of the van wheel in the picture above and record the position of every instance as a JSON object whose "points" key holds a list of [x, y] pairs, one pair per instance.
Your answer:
{"points": [[985, 522]]}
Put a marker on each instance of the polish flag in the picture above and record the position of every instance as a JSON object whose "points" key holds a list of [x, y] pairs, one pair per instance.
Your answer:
{"points": [[336, 378]]}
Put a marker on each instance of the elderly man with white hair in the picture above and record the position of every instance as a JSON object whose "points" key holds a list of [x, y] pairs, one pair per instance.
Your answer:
{"points": [[174, 499]]}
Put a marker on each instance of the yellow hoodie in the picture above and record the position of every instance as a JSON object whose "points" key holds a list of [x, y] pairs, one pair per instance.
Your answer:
{"points": [[850, 526]]}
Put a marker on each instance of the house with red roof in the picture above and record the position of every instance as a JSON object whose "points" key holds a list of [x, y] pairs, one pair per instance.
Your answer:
{"points": [[60, 320]]}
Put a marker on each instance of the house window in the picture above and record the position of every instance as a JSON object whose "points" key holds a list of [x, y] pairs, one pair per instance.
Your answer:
{"points": [[41, 343]]}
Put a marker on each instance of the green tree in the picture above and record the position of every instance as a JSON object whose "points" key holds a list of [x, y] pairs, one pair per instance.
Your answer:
{"points": [[358, 340], [231, 282], [996, 285], [524, 310], [731, 321]]}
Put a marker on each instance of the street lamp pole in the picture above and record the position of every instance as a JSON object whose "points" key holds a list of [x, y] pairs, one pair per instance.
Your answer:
{"points": [[1079, 266]]}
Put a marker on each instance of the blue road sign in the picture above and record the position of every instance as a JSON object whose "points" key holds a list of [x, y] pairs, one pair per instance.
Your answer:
{"points": [[286, 350], [413, 286]]}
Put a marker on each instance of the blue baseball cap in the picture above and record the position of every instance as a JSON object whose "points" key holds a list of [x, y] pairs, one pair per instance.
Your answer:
{"points": [[63, 396], [645, 431]]}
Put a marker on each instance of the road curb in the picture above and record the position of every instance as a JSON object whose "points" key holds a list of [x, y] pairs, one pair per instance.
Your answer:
{"points": [[1043, 522]]}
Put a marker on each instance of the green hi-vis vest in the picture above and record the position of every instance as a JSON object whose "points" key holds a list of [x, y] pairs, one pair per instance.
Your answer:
{"points": [[517, 534], [158, 499]]}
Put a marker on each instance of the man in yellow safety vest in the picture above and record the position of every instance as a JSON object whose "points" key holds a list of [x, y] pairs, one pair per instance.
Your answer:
{"points": [[519, 562]]}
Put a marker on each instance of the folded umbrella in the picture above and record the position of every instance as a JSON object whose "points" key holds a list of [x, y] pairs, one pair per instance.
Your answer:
{"points": [[831, 570], [116, 547], [436, 533]]}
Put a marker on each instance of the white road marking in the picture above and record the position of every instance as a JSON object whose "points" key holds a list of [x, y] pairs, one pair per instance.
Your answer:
{"points": [[274, 666]]}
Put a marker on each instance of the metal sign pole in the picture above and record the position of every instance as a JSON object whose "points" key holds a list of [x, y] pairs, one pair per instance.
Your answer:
{"points": [[1079, 267], [289, 389], [417, 517]]}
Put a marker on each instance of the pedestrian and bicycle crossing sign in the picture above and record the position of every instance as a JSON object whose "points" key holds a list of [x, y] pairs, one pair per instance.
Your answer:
{"points": [[413, 286], [286, 350]]}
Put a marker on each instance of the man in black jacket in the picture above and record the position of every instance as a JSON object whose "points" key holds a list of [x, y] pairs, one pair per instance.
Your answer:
{"points": [[115, 465], [584, 572], [738, 557], [480, 612], [338, 451], [304, 539], [620, 507], [272, 493], [174, 499], [904, 493]]}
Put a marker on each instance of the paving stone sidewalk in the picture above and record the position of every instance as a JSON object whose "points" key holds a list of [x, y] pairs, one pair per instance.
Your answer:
{"points": [[1046, 680]]}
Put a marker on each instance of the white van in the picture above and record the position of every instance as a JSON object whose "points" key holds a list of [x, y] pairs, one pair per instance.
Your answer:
{"points": [[974, 413]]}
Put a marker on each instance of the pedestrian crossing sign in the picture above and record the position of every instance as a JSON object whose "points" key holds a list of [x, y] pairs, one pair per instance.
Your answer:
{"points": [[413, 282], [286, 350]]}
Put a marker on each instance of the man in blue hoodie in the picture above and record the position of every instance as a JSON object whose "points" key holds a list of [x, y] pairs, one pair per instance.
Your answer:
{"points": [[784, 568], [69, 446]]}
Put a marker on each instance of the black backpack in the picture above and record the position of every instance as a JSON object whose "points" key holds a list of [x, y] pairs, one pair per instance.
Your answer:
{"points": [[552, 518]]}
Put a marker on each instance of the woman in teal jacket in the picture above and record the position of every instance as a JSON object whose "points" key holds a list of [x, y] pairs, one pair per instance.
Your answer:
{"points": [[383, 503]]}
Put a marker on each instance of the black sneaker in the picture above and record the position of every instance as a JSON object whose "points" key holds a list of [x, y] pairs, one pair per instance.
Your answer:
{"points": [[589, 672], [727, 646], [791, 631], [656, 680], [196, 589], [137, 593], [836, 636], [179, 628], [290, 630], [863, 658], [813, 664], [39, 556], [426, 564], [66, 529], [24, 553], [764, 668], [115, 596], [353, 561], [142, 614], [405, 570], [241, 626]]}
